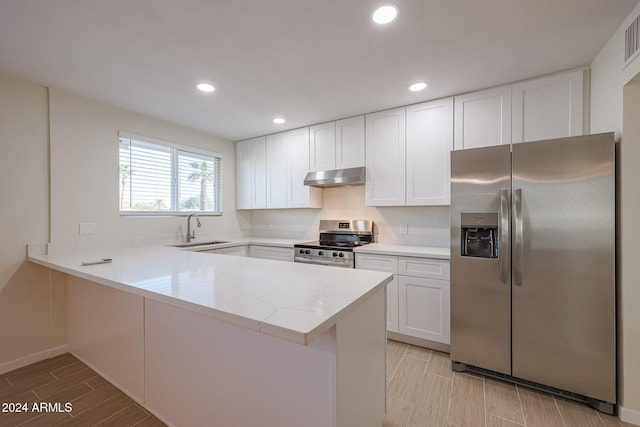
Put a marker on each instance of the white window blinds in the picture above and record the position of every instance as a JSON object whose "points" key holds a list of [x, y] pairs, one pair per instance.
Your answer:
{"points": [[157, 178]]}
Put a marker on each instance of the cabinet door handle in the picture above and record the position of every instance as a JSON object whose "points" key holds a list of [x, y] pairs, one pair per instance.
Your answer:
{"points": [[519, 236], [503, 235]]}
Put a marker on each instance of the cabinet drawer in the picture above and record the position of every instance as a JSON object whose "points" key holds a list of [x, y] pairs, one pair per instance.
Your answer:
{"points": [[424, 267], [388, 264]]}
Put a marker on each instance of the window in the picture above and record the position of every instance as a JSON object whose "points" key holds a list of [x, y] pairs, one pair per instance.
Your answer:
{"points": [[160, 178]]}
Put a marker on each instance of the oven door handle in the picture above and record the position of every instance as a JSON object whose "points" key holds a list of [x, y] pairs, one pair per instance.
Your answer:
{"points": [[320, 262]]}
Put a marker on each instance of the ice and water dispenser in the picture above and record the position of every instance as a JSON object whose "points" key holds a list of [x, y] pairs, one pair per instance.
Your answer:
{"points": [[479, 235]]}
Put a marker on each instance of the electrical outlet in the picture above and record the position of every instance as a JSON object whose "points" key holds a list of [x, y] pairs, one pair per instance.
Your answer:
{"points": [[404, 228], [87, 229]]}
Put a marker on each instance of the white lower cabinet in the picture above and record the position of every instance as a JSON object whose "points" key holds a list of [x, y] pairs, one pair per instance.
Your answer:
{"points": [[393, 303], [256, 251], [271, 252], [424, 308], [424, 300], [387, 264], [233, 250], [418, 300]]}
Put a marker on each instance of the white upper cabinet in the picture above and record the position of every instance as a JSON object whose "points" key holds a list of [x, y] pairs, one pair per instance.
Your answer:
{"points": [[483, 118], [277, 163], [406, 150], [322, 143], [350, 143], [548, 107], [298, 194], [259, 154], [287, 160], [385, 158], [429, 141], [407, 155], [543, 108], [244, 173], [251, 174], [337, 145]]}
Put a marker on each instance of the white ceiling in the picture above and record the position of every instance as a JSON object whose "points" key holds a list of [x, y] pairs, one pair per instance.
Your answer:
{"points": [[308, 61]]}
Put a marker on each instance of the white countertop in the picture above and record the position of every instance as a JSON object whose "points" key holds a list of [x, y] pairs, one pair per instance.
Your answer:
{"points": [[266, 241], [403, 250], [373, 248], [288, 300]]}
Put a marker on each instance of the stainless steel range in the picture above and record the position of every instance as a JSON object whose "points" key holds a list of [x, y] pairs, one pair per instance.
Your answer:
{"points": [[337, 240]]}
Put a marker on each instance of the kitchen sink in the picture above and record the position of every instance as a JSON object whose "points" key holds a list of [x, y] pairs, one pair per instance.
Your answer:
{"points": [[195, 244]]}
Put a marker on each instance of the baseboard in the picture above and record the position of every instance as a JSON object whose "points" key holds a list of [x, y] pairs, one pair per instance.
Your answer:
{"points": [[33, 358], [628, 415], [420, 342]]}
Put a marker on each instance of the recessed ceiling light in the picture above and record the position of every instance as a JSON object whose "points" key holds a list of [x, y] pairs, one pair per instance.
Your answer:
{"points": [[417, 87], [278, 120], [385, 14], [205, 87]]}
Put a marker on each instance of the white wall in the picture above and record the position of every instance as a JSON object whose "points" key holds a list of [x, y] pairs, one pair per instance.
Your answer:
{"points": [[85, 180], [615, 105], [607, 80], [59, 167], [29, 323], [426, 226], [629, 236]]}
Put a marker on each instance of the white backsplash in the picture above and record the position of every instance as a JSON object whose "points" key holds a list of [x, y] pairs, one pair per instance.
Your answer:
{"points": [[425, 226]]}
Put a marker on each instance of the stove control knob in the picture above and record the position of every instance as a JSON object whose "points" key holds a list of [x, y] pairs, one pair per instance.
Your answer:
{"points": [[321, 253], [307, 252], [341, 255], [335, 254]]}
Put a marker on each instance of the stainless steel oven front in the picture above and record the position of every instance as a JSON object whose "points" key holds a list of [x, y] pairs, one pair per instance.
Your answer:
{"points": [[337, 238], [324, 255]]}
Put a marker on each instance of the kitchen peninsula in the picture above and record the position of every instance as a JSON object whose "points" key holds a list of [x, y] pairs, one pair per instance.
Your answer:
{"points": [[208, 339]]}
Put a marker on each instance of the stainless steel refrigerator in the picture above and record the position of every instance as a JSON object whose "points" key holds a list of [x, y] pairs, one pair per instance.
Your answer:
{"points": [[533, 265]]}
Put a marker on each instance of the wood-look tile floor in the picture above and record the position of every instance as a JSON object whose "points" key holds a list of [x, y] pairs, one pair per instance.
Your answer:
{"points": [[64, 379], [422, 390]]}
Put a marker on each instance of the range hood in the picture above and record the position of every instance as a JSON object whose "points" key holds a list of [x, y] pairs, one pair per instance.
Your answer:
{"points": [[336, 177]]}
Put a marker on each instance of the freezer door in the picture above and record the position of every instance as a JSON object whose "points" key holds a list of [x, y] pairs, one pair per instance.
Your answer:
{"points": [[563, 264], [480, 275]]}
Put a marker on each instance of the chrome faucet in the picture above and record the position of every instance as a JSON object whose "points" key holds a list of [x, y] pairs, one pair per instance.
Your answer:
{"points": [[192, 234]]}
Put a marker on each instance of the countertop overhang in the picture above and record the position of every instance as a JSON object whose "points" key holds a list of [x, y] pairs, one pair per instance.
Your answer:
{"points": [[292, 301]]}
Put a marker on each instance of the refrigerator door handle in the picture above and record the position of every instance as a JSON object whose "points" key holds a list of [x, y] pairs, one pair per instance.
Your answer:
{"points": [[519, 236], [504, 226]]}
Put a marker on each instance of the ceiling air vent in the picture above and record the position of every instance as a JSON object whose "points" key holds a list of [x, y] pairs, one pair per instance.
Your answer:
{"points": [[632, 41]]}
